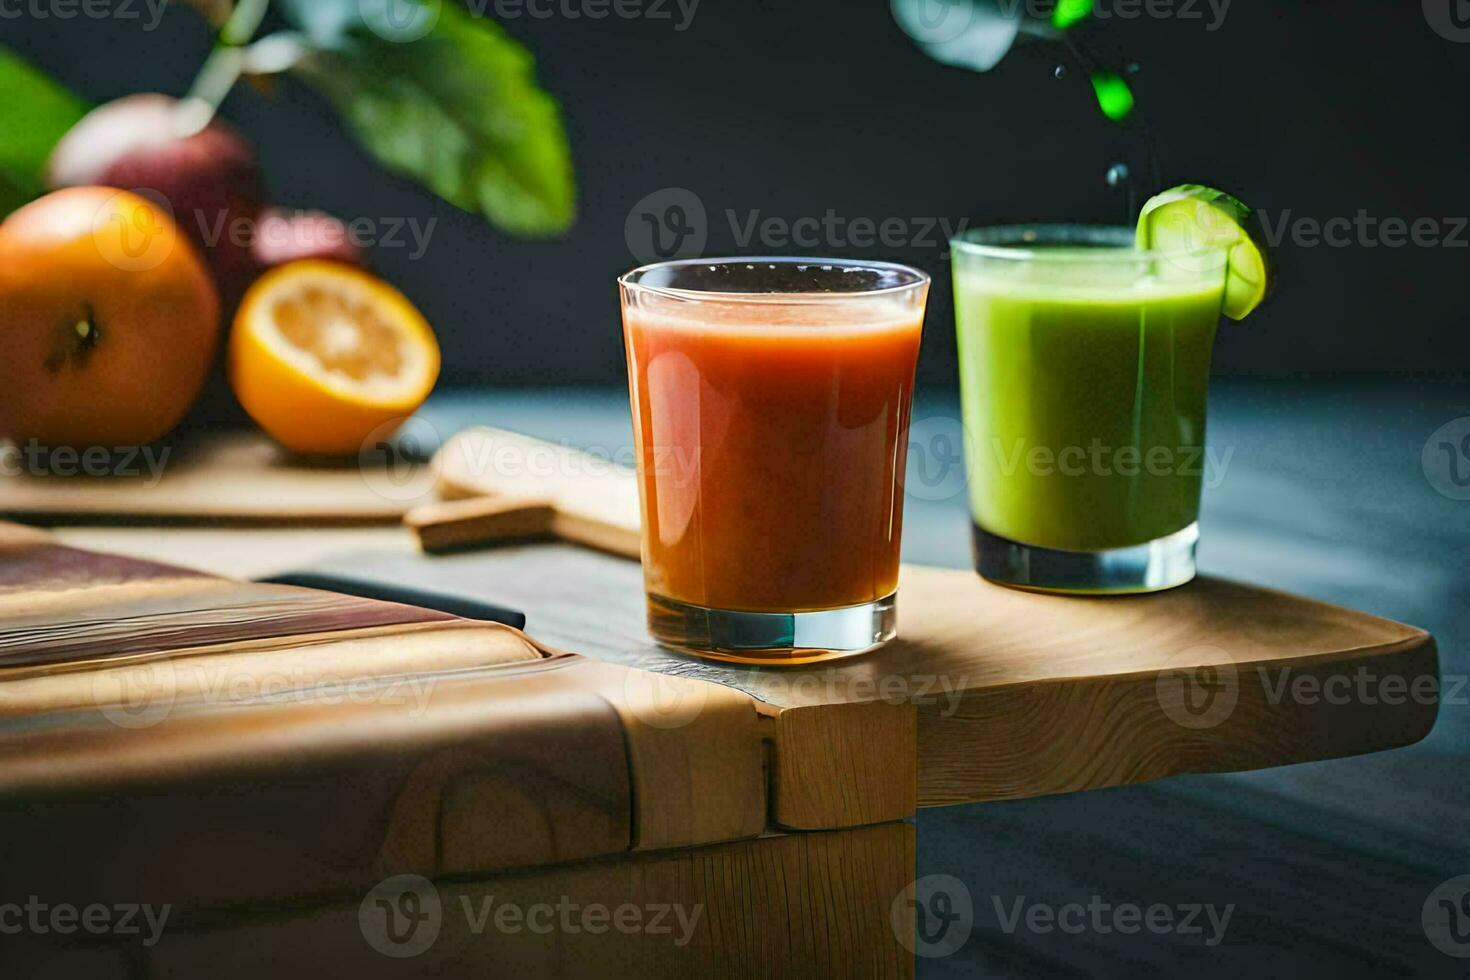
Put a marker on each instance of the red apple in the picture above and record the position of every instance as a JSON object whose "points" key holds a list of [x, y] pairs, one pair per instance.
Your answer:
{"points": [[210, 178], [283, 236]]}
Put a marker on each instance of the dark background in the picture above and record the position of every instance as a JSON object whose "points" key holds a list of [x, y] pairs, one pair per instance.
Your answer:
{"points": [[799, 106]]}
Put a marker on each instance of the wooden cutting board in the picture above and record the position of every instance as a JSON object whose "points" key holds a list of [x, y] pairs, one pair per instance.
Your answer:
{"points": [[216, 744], [329, 740], [500, 485], [238, 478], [988, 694], [1015, 694], [274, 760], [1000, 694], [149, 713]]}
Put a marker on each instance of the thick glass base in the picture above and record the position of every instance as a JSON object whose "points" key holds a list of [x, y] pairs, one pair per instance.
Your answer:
{"points": [[1151, 567], [772, 638]]}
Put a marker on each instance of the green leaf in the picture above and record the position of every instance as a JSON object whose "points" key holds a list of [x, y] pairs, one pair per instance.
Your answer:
{"points": [[35, 112], [1069, 12], [446, 98]]}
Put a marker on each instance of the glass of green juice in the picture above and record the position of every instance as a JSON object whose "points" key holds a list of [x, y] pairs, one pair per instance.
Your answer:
{"points": [[1084, 367]]}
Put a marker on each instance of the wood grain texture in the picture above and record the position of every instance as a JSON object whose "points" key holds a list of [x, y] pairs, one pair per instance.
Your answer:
{"points": [[1079, 694], [1021, 694], [61, 605], [337, 664], [1038, 739], [467, 770], [154, 638], [844, 765], [595, 501], [1339, 856], [808, 905], [211, 805], [1011, 694], [447, 525], [697, 753], [139, 701], [243, 478], [1018, 694]]}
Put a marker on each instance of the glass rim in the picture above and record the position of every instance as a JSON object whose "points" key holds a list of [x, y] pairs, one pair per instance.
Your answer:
{"points": [[1109, 243], [918, 279]]}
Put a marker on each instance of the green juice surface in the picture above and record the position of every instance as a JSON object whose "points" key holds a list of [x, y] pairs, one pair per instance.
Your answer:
{"points": [[1084, 404]]}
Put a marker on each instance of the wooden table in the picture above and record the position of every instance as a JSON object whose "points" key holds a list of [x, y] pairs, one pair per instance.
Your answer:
{"points": [[816, 866]]}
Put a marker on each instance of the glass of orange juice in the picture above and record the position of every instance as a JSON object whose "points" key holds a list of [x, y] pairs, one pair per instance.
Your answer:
{"points": [[771, 402]]}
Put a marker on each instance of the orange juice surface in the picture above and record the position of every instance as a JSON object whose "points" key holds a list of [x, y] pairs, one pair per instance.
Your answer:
{"points": [[771, 434]]}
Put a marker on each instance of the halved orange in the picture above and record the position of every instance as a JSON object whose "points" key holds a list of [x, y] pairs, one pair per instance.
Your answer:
{"points": [[322, 355]]}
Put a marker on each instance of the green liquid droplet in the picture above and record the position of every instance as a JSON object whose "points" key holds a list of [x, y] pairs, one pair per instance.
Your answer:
{"points": [[1069, 12], [1114, 96]]}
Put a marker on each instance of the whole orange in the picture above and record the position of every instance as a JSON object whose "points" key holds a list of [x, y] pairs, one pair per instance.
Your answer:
{"points": [[108, 320]]}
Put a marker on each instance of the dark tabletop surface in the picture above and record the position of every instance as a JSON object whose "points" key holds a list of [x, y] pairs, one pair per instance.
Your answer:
{"points": [[1321, 488]]}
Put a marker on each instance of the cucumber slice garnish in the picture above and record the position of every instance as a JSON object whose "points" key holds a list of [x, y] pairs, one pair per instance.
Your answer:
{"points": [[1194, 216]]}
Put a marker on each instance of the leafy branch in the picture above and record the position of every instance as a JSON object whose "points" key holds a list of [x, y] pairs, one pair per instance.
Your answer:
{"points": [[35, 112], [434, 93]]}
